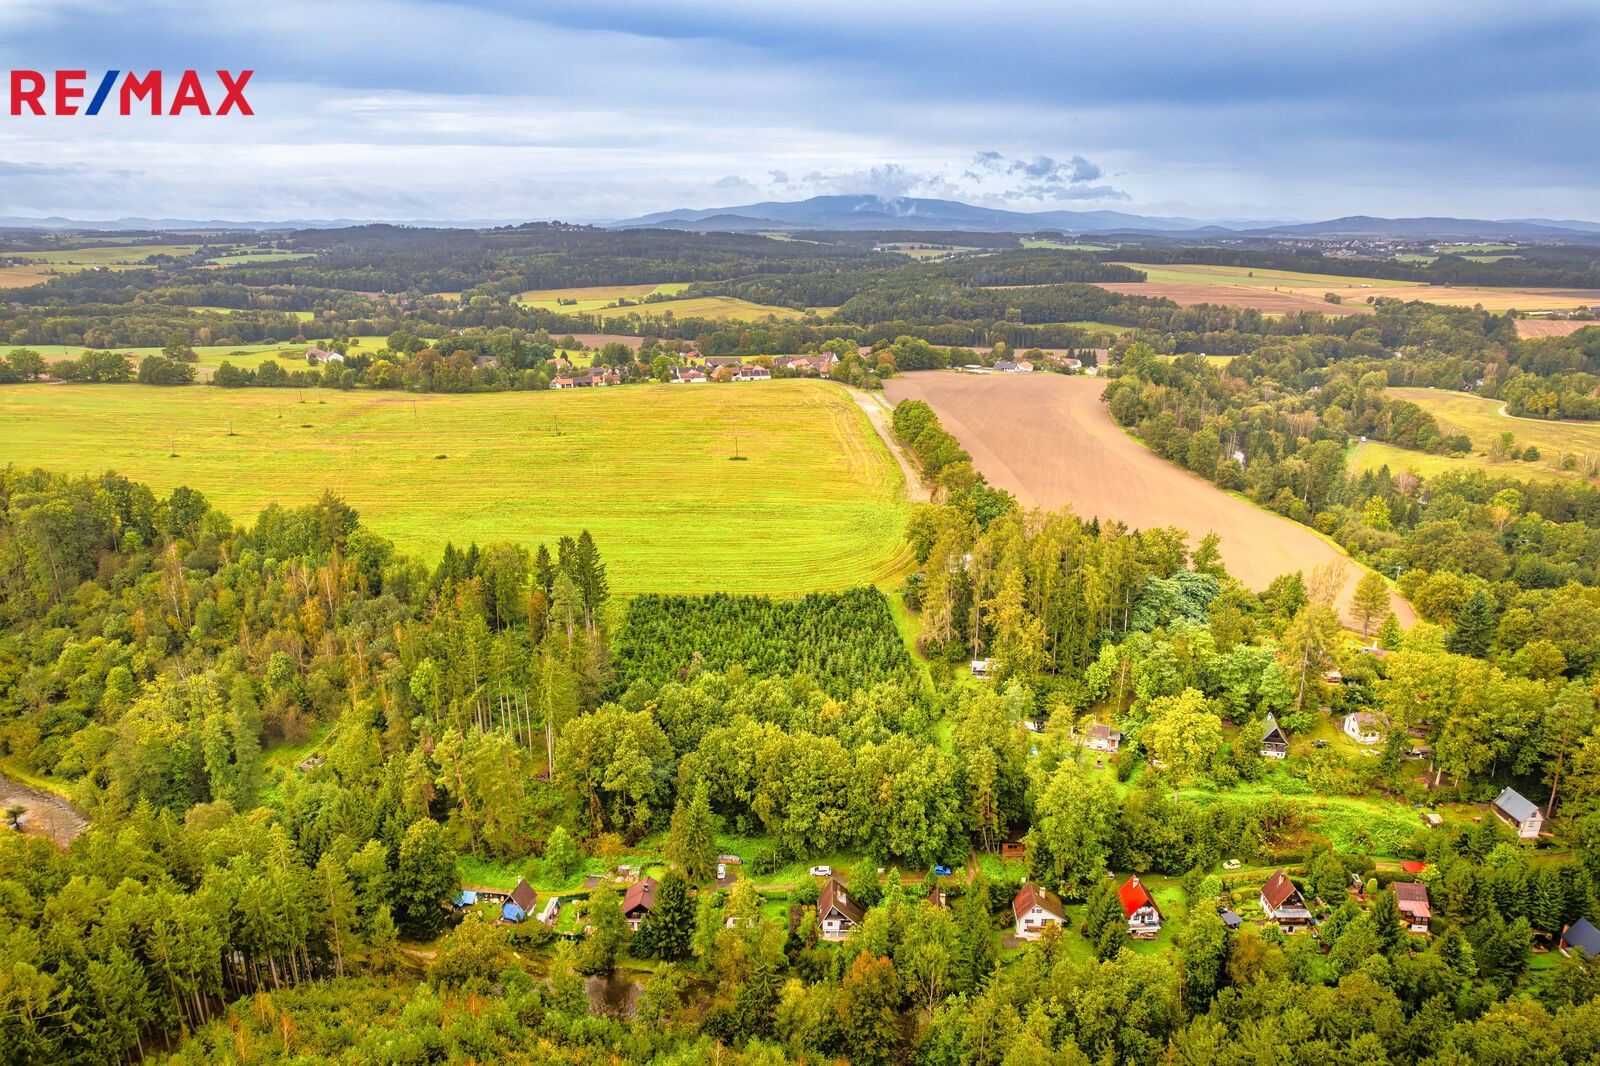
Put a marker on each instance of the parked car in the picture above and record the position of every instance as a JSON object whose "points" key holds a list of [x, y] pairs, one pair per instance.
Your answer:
{"points": [[722, 871], [941, 871], [821, 871], [1232, 864]]}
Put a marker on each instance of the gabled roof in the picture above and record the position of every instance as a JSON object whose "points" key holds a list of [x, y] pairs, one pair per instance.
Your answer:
{"points": [[524, 895], [834, 898], [1412, 897], [1279, 890], [641, 896], [1104, 732], [1270, 731], [1134, 895], [1515, 805], [1583, 936], [1231, 919], [1031, 896]]}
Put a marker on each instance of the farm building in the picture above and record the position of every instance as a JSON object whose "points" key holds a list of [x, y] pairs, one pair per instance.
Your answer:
{"points": [[837, 913], [1283, 902], [1102, 738], [688, 375], [1034, 908], [821, 363], [1581, 936], [752, 373], [717, 362], [322, 357], [1412, 899], [1364, 727], [586, 379], [1274, 744], [639, 900], [1519, 812], [1139, 907]]}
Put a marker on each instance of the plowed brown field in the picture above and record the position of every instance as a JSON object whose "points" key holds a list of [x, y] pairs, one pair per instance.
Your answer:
{"points": [[1048, 439]]}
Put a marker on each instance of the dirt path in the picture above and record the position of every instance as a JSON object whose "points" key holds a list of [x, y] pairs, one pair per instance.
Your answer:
{"points": [[1048, 439], [878, 411]]}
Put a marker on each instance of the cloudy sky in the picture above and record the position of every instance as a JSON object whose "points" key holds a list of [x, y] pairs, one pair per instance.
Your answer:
{"points": [[592, 109]]}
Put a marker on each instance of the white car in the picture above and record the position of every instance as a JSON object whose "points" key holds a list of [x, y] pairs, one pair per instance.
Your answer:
{"points": [[822, 871]]}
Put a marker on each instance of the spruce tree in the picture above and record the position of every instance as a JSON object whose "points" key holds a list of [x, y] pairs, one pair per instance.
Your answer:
{"points": [[1474, 628]]}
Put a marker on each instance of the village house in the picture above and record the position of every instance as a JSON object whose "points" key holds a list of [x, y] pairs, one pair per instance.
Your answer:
{"points": [[821, 363], [752, 373], [1274, 744], [837, 913], [1034, 908], [321, 356], [688, 375], [1581, 936], [520, 904], [1412, 899], [717, 362], [1139, 907], [1103, 738], [1364, 727], [1283, 903], [639, 901], [1518, 812]]}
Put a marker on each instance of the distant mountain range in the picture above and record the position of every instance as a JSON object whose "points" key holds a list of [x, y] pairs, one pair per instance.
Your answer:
{"points": [[917, 213], [868, 212]]}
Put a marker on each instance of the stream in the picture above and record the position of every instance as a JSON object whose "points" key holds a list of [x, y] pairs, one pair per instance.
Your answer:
{"points": [[44, 813]]}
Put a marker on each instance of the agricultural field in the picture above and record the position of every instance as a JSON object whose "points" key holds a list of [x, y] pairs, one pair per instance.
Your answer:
{"points": [[1288, 290], [257, 256], [20, 277], [1095, 468], [1060, 246], [814, 502], [106, 255], [1484, 420], [601, 300], [1552, 327]]}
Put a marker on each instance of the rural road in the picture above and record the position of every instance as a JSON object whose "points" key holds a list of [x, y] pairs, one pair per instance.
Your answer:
{"points": [[878, 411], [1048, 439]]}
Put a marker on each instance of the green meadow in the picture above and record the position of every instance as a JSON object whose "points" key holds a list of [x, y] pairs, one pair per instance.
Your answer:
{"points": [[813, 502]]}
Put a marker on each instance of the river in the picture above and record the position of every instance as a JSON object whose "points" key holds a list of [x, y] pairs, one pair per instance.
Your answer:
{"points": [[44, 813]]}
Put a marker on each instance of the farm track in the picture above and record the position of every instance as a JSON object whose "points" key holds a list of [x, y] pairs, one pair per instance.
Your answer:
{"points": [[1048, 439]]}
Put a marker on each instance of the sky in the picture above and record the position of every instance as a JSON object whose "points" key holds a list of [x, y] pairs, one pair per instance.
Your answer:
{"points": [[586, 110]]}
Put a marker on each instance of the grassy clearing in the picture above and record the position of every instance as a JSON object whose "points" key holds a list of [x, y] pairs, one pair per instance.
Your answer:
{"points": [[1078, 246], [1481, 419], [589, 298], [602, 300], [817, 504]]}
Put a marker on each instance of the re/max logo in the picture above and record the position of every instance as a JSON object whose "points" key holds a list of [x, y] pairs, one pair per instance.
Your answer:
{"points": [[31, 93]]}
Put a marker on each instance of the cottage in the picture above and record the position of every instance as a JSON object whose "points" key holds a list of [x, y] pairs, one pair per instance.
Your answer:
{"points": [[1139, 907], [1034, 908], [1283, 903], [980, 668], [1364, 727], [520, 903], [1274, 744], [1582, 936], [938, 896], [837, 913], [1103, 738], [716, 362], [1013, 849], [1518, 812], [321, 356], [639, 901], [1412, 899]]}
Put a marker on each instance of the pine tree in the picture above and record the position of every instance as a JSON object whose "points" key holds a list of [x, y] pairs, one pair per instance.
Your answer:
{"points": [[1389, 634], [667, 932], [544, 571], [691, 842], [1474, 628]]}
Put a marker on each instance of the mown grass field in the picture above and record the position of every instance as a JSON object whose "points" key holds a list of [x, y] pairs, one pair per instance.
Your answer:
{"points": [[600, 300], [1481, 420], [815, 502]]}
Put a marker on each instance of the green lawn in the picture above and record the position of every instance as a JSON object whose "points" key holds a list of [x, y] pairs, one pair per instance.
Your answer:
{"points": [[816, 504]]}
